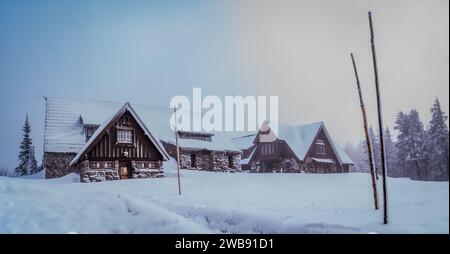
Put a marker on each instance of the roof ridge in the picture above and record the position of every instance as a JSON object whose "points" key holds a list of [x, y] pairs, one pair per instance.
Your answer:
{"points": [[110, 102]]}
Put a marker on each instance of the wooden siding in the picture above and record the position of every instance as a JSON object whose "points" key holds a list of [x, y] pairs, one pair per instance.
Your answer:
{"points": [[329, 152], [107, 147]]}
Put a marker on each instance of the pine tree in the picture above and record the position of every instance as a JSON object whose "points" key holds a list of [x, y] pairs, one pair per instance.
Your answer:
{"points": [[411, 140], [391, 154], [412, 159], [417, 155], [362, 162], [27, 160], [376, 149], [437, 146], [401, 125]]}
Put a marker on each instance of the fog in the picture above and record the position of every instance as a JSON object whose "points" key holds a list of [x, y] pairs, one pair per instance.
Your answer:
{"points": [[149, 51]]}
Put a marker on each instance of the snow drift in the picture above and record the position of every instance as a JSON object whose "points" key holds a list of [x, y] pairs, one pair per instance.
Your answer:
{"points": [[221, 203]]}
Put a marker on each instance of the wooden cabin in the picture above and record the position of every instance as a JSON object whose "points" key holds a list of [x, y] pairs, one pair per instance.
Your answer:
{"points": [[121, 148], [305, 148], [111, 141]]}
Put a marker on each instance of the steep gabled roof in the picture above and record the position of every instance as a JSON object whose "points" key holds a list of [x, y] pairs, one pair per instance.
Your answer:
{"points": [[249, 158], [65, 119], [244, 142], [299, 139], [102, 128], [341, 154]]}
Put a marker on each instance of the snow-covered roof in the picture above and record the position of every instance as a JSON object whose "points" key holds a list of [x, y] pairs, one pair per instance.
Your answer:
{"points": [[101, 128], [247, 160], [64, 125], [244, 142], [330, 161], [195, 144], [65, 118], [299, 138]]}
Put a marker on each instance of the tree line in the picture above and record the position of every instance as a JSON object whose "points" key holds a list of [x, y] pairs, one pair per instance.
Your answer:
{"points": [[417, 152]]}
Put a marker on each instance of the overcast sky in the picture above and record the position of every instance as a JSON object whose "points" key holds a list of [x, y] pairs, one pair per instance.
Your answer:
{"points": [[149, 51]]}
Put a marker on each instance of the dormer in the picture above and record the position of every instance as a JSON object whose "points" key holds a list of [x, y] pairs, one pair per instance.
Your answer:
{"points": [[89, 130], [204, 136]]}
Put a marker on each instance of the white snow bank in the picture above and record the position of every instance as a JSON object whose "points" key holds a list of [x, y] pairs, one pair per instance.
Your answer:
{"points": [[222, 202], [38, 175], [40, 208]]}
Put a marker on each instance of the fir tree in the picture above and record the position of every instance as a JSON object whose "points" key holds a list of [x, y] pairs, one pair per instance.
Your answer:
{"points": [[362, 161], [417, 155], [412, 160], [437, 146], [27, 160], [401, 124], [376, 150], [391, 154]]}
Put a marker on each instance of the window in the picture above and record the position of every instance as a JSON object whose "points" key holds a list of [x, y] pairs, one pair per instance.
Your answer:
{"points": [[89, 131], [94, 164], [193, 161], [267, 149], [125, 136], [230, 161], [320, 147], [125, 120]]}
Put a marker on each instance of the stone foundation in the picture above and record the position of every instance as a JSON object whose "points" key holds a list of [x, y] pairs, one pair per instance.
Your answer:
{"points": [[57, 164], [147, 170], [93, 171], [99, 175], [212, 161], [185, 161]]}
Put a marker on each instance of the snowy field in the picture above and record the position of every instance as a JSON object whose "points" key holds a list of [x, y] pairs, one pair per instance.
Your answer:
{"points": [[220, 203]]}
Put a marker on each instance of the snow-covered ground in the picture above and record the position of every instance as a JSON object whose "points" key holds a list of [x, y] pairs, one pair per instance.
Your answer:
{"points": [[221, 202]]}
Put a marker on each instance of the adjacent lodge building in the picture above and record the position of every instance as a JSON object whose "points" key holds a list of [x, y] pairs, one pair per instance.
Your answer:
{"points": [[305, 148], [111, 141]]}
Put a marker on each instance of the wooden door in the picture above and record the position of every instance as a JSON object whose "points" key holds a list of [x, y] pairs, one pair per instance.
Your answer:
{"points": [[124, 171]]}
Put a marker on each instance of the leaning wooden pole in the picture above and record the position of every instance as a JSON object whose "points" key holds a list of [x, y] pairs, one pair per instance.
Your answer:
{"points": [[366, 132], [178, 150], [380, 124]]}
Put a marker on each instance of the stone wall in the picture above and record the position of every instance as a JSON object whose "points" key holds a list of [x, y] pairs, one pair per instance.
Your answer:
{"points": [[149, 170], [57, 164], [237, 162], [92, 171], [99, 175], [220, 162], [214, 161], [185, 161], [204, 161]]}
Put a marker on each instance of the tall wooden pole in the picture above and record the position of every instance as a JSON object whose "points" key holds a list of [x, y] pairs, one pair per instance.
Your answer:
{"points": [[380, 124], [366, 131], [178, 150]]}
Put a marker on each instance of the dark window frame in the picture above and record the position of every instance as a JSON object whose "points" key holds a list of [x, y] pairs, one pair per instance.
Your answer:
{"points": [[268, 149], [125, 130], [320, 147]]}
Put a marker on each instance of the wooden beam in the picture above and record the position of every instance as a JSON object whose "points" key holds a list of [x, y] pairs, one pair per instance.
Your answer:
{"points": [[380, 123], [366, 132], [178, 150]]}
